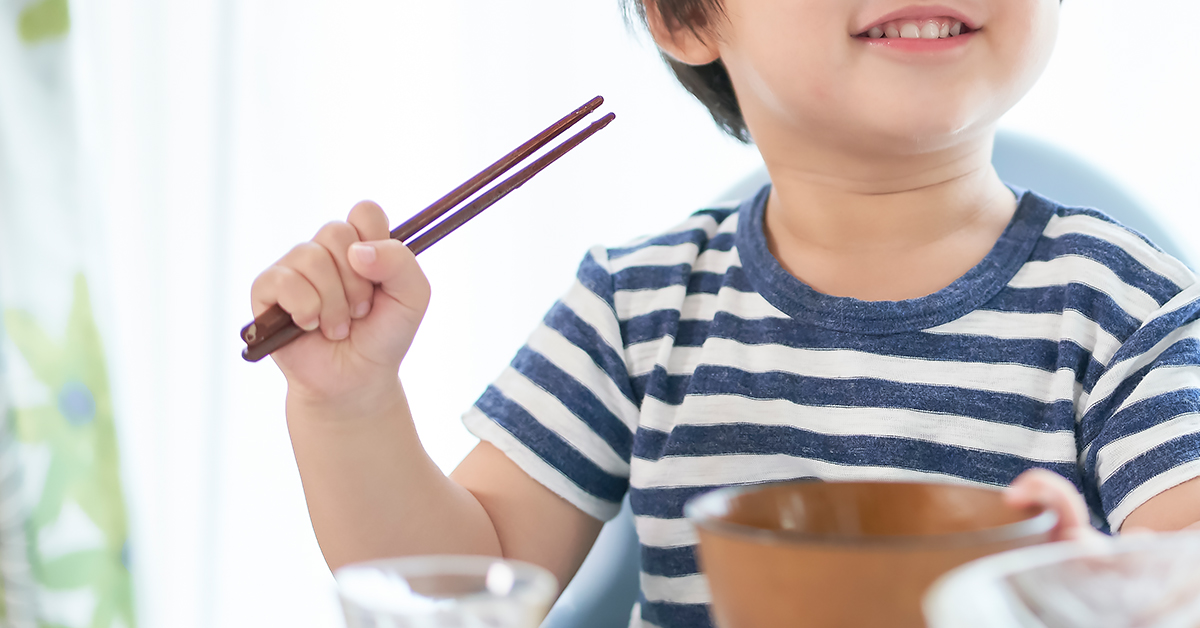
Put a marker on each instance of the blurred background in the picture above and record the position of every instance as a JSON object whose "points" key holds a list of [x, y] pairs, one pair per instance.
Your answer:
{"points": [[193, 143]]}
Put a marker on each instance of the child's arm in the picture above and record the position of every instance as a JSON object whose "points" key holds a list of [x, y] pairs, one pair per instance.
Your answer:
{"points": [[372, 490]]}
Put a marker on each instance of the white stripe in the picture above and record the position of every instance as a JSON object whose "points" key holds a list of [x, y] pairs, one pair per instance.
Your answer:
{"points": [[1150, 489], [1146, 255], [657, 255], [1161, 380], [1052, 326], [1187, 297], [1016, 379], [655, 532], [1081, 270], [484, 428], [697, 306], [1117, 373], [658, 415], [556, 417], [1115, 455], [692, 471], [703, 222], [595, 311], [715, 261], [743, 305], [643, 356], [634, 303], [575, 362], [691, 589], [953, 430]]}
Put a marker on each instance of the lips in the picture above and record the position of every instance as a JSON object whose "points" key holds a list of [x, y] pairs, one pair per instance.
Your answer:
{"points": [[919, 22], [934, 28]]}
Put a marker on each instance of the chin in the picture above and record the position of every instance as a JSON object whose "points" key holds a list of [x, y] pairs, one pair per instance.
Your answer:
{"points": [[918, 128]]}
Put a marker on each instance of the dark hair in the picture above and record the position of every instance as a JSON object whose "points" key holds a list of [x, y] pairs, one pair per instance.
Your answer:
{"points": [[709, 83]]}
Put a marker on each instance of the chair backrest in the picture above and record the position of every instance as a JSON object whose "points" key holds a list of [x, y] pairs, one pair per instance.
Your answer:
{"points": [[603, 592]]}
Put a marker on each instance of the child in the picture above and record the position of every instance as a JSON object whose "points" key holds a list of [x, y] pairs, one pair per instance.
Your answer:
{"points": [[886, 310]]}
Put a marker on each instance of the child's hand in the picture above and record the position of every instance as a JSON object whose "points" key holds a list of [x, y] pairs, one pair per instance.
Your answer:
{"points": [[1042, 487], [365, 294]]}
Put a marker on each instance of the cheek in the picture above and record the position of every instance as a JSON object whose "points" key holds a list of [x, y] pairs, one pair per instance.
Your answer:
{"points": [[1025, 50]]}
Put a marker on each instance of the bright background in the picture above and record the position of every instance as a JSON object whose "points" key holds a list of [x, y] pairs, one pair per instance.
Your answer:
{"points": [[218, 134]]}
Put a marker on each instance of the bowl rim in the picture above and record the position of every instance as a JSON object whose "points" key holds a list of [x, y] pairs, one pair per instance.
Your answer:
{"points": [[701, 512]]}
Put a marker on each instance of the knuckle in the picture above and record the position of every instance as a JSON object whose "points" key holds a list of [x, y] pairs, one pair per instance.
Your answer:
{"points": [[337, 232], [311, 256]]}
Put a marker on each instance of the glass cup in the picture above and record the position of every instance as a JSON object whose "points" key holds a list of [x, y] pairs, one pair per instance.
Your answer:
{"points": [[445, 592], [1147, 581]]}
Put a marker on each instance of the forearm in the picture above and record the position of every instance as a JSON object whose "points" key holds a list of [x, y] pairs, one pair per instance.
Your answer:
{"points": [[372, 490]]}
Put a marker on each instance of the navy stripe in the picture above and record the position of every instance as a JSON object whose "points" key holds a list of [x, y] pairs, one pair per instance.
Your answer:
{"points": [[1148, 413], [1157, 330], [888, 451], [697, 236], [652, 277], [578, 332], [664, 503], [649, 443], [671, 562], [652, 326], [1147, 466], [669, 389], [1120, 262], [705, 283], [1047, 355], [550, 447], [595, 278], [580, 400], [1093, 304], [717, 214], [1099, 215], [676, 615], [996, 407]]}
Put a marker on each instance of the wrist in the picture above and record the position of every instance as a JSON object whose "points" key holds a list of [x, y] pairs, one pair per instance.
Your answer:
{"points": [[361, 403]]}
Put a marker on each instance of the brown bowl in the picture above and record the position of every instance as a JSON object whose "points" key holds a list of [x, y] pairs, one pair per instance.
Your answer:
{"points": [[853, 555]]}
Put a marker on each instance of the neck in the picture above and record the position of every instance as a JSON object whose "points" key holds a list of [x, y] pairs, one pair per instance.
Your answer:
{"points": [[884, 227]]}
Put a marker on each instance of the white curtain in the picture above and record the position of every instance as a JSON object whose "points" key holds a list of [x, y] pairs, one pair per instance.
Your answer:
{"points": [[218, 134]]}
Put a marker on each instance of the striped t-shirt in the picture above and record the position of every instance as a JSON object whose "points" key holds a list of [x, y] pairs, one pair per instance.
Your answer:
{"points": [[691, 361]]}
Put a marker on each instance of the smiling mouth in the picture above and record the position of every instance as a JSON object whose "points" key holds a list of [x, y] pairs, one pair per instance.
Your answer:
{"points": [[928, 28]]}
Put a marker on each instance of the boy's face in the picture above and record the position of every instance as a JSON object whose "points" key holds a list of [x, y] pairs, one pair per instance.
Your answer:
{"points": [[819, 69]]}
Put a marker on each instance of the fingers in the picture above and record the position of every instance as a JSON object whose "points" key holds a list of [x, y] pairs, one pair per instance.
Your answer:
{"points": [[292, 291], [394, 268], [336, 238], [315, 281], [370, 221], [1041, 487], [317, 266]]}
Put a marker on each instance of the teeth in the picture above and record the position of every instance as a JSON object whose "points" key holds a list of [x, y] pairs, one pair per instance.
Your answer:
{"points": [[940, 28]]}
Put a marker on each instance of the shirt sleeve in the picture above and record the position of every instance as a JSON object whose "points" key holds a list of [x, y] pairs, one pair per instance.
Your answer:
{"points": [[564, 410], [1140, 430]]}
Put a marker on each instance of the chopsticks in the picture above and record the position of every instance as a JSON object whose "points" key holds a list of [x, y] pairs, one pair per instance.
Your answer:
{"points": [[274, 328]]}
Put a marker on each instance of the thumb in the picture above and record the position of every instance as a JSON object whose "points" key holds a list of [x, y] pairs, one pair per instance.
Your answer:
{"points": [[1049, 490], [394, 269]]}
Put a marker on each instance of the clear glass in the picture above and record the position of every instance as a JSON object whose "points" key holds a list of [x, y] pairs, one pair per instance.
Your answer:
{"points": [[1143, 581], [445, 592]]}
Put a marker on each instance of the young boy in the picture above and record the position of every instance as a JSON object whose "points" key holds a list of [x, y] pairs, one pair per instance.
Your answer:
{"points": [[886, 310]]}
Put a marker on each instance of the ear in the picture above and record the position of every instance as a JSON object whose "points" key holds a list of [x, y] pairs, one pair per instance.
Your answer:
{"points": [[693, 47]]}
